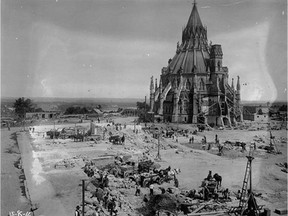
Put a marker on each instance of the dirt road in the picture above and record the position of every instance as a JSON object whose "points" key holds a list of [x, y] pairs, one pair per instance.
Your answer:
{"points": [[12, 186]]}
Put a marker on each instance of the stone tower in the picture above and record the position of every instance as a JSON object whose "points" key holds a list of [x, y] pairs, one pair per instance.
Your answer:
{"points": [[193, 87]]}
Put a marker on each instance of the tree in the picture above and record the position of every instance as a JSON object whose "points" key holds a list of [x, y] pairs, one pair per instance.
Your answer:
{"points": [[142, 106], [283, 108], [38, 110], [22, 106], [76, 110]]}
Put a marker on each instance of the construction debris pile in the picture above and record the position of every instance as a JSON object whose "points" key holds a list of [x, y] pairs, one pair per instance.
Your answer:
{"points": [[112, 183]]}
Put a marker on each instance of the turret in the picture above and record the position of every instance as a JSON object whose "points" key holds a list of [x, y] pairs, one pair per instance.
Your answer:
{"points": [[238, 84], [156, 84], [216, 56], [151, 85], [160, 86], [238, 89]]}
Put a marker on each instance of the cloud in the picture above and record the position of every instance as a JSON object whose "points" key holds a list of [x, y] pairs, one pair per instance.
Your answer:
{"points": [[69, 63], [245, 55]]}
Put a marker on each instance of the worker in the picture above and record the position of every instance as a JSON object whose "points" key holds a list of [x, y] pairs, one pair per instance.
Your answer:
{"points": [[220, 149], [112, 207], [192, 139], [137, 193], [238, 195], [145, 199], [209, 146], [105, 199], [151, 189], [205, 193], [176, 182], [209, 177], [226, 194], [123, 139], [96, 212], [77, 211]]}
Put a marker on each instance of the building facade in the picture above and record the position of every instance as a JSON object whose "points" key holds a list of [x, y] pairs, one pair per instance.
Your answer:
{"points": [[193, 87]]}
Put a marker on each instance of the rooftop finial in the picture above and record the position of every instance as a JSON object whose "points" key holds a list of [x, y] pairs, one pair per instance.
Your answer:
{"points": [[194, 3]]}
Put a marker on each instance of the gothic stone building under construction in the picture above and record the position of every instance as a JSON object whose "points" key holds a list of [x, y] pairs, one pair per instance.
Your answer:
{"points": [[194, 86]]}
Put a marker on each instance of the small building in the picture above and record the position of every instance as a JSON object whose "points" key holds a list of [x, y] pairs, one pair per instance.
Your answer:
{"points": [[95, 113], [262, 114], [42, 115], [256, 113]]}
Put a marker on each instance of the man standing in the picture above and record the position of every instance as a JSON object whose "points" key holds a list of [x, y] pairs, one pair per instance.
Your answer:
{"points": [[96, 213], [77, 211], [176, 182], [112, 207], [216, 139], [151, 189], [209, 177], [137, 193]]}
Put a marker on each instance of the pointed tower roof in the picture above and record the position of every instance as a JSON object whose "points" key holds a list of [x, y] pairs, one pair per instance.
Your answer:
{"points": [[194, 19], [194, 29], [191, 56]]}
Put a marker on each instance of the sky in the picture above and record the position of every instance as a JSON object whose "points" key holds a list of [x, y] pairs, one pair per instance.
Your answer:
{"points": [[110, 49]]}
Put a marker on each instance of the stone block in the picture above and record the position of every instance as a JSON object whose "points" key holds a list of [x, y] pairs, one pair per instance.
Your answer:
{"points": [[281, 211]]}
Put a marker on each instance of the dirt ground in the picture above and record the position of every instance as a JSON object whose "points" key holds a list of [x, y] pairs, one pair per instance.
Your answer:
{"points": [[13, 197], [54, 169]]}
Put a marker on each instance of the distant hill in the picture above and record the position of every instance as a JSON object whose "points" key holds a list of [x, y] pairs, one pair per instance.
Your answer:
{"points": [[62, 104]]}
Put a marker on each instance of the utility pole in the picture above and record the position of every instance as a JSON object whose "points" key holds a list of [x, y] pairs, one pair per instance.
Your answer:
{"points": [[54, 131], [145, 110], [83, 196], [158, 153]]}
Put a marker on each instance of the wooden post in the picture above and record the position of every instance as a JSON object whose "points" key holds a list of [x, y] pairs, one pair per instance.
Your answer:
{"points": [[83, 196], [158, 154], [54, 132], [145, 110]]}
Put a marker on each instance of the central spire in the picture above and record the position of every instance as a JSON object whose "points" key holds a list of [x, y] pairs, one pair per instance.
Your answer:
{"points": [[194, 29], [194, 19]]}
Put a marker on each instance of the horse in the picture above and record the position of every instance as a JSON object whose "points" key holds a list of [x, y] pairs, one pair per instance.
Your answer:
{"points": [[218, 179]]}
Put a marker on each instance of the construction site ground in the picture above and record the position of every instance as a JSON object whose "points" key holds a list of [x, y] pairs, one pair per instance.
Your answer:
{"points": [[54, 168]]}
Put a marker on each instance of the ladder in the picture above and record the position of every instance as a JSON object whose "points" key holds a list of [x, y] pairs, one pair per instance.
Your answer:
{"points": [[248, 172], [243, 197]]}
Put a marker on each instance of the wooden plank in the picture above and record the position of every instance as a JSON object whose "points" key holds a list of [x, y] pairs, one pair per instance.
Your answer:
{"points": [[198, 209], [202, 206], [208, 213]]}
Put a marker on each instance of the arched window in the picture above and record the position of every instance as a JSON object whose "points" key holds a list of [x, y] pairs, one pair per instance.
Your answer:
{"points": [[219, 65], [188, 85], [202, 84]]}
